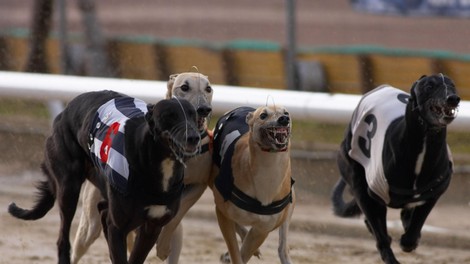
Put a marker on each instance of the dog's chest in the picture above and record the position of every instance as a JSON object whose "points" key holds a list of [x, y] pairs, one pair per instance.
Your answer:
{"points": [[167, 170], [107, 138], [371, 119]]}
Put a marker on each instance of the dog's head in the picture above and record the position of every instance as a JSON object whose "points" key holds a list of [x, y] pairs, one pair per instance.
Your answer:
{"points": [[270, 127], [436, 99], [195, 88], [174, 122]]}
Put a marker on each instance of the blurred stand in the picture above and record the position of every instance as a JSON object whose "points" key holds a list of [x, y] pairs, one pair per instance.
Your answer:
{"points": [[92, 60]]}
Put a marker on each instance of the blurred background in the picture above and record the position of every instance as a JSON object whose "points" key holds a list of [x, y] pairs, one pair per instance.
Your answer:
{"points": [[336, 46]]}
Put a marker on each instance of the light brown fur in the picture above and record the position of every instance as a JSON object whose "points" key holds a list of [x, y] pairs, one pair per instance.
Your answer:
{"points": [[263, 175], [195, 88]]}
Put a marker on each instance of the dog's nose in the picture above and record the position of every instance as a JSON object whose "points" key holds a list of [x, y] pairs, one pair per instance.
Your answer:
{"points": [[283, 120], [204, 110], [453, 100]]}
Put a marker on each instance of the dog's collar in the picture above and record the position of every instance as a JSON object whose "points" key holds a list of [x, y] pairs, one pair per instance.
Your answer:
{"points": [[206, 147], [274, 150], [252, 205]]}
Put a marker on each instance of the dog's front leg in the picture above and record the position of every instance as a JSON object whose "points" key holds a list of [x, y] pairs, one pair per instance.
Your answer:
{"points": [[146, 238], [253, 240], [116, 243], [169, 241], [376, 221], [227, 227], [413, 221], [242, 231], [283, 249]]}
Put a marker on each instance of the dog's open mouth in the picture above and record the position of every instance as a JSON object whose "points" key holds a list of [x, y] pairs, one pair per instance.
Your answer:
{"points": [[445, 112], [278, 136], [183, 148]]}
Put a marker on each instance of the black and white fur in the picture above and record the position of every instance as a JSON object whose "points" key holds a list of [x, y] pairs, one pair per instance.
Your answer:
{"points": [[155, 144], [415, 160]]}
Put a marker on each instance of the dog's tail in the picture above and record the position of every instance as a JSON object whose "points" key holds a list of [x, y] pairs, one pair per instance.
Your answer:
{"points": [[44, 203], [340, 207]]}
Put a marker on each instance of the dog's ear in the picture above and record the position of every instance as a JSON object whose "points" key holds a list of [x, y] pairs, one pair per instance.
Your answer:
{"points": [[413, 93], [170, 83], [149, 117], [249, 118]]}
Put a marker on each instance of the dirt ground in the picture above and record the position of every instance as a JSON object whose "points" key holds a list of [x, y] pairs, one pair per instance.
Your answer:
{"points": [[316, 236], [34, 242]]}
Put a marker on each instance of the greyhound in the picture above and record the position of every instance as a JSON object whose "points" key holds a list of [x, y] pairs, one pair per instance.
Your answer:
{"points": [[251, 179], [395, 154], [195, 88], [132, 152]]}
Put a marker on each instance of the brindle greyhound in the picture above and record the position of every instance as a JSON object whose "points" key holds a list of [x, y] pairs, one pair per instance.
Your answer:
{"points": [[395, 154], [132, 152]]}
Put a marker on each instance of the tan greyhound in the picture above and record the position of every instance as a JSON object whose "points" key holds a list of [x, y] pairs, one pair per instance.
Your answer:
{"points": [[251, 179]]}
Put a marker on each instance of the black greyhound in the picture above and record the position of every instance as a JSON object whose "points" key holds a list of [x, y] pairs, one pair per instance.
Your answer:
{"points": [[395, 154], [132, 152]]}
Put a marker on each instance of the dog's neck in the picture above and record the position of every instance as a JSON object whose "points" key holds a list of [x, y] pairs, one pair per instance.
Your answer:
{"points": [[149, 152], [421, 151], [271, 172]]}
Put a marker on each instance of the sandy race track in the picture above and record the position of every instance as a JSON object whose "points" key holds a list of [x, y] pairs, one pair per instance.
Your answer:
{"points": [[315, 235]]}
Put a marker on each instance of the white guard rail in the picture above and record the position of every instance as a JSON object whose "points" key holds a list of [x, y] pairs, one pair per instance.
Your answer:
{"points": [[323, 107]]}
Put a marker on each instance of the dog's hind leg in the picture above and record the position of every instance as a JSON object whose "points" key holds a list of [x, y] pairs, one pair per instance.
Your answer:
{"points": [[89, 228], [414, 221], [66, 165]]}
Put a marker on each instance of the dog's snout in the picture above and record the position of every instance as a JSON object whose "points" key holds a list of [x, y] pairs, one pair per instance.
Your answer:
{"points": [[193, 139], [283, 120], [453, 100], [204, 110]]}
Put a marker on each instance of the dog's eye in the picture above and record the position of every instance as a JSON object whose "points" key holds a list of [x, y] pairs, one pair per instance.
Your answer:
{"points": [[286, 113], [263, 116], [208, 89], [184, 87]]}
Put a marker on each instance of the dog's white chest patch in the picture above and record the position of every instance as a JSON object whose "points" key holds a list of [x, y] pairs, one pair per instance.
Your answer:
{"points": [[420, 160], [157, 211], [167, 172]]}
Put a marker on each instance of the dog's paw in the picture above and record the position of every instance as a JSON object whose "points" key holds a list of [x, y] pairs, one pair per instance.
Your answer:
{"points": [[408, 245], [225, 258], [257, 254], [163, 250]]}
